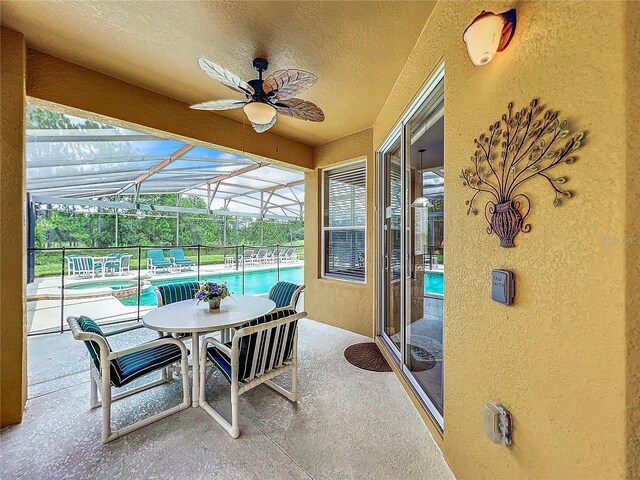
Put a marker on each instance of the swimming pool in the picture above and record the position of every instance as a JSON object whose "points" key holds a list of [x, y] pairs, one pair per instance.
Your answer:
{"points": [[255, 283], [434, 282]]}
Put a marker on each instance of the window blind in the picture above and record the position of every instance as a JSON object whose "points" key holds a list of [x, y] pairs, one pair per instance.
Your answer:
{"points": [[345, 218]]}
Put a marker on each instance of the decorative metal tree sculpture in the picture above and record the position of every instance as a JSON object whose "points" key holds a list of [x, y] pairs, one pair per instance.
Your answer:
{"points": [[529, 149]]}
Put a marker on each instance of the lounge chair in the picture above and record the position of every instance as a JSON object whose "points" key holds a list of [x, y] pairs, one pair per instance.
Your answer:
{"points": [[249, 258], [117, 369], [285, 295], [156, 260], [261, 256], [290, 255], [179, 260], [238, 362]]}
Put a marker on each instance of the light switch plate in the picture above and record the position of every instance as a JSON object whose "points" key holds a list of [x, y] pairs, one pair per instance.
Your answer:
{"points": [[497, 423]]}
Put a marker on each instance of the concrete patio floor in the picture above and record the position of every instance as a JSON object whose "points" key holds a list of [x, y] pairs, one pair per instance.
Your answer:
{"points": [[348, 423]]}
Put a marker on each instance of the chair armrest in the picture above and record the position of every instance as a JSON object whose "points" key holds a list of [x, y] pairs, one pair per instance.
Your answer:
{"points": [[145, 346], [123, 330], [211, 340], [149, 262]]}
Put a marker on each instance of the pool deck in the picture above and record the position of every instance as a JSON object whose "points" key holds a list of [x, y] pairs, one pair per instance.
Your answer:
{"points": [[44, 295]]}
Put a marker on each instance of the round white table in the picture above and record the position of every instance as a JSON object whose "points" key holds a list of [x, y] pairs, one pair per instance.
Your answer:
{"points": [[189, 317]]}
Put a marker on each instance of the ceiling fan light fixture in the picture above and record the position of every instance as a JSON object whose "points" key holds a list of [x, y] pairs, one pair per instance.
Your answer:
{"points": [[259, 113]]}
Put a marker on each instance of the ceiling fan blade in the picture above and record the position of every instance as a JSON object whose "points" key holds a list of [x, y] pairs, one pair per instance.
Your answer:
{"points": [[263, 128], [224, 76], [287, 83], [219, 105], [300, 109]]}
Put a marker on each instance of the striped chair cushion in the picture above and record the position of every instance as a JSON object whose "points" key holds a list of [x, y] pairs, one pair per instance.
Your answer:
{"points": [[177, 292], [89, 326], [248, 348], [134, 365], [282, 294]]}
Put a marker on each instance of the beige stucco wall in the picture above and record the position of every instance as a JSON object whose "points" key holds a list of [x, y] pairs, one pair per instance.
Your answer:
{"points": [[558, 357], [13, 387], [632, 237], [344, 304]]}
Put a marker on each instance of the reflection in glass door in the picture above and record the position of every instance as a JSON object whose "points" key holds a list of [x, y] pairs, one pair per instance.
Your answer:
{"points": [[391, 245], [411, 241]]}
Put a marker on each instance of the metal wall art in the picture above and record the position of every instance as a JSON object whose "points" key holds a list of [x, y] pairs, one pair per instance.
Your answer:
{"points": [[521, 146]]}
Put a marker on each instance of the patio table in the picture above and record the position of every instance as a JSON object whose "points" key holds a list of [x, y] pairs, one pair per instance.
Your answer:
{"points": [[187, 317]]}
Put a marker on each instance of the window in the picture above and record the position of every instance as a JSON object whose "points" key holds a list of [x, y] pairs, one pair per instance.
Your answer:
{"points": [[344, 221]]}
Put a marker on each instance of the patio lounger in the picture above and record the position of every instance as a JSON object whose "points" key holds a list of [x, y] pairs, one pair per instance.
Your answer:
{"points": [[118, 368], [247, 362], [248, 258], [290, 255], [285, 295], [156, 260], [261, 256], [179, 259]]}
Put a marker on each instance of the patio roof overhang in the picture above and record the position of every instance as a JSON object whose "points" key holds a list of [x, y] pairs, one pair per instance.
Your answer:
{"points": [[111, 167]]}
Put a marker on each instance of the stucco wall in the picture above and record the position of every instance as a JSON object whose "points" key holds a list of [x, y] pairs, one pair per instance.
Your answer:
{"points": [[557, 358], [13, 388], [344, 304], [632, 237]]}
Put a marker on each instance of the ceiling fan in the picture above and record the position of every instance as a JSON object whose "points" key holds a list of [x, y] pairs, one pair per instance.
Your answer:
{"points": [[264, 98]]}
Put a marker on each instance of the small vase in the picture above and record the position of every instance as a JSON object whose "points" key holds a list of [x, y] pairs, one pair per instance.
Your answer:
{"points": [[506, 221], [214, 303]]}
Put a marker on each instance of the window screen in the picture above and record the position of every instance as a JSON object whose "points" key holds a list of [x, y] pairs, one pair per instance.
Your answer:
{"points": [[345, 218]]}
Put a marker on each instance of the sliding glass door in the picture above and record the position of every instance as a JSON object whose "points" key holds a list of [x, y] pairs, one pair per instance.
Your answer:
{"points": [[411, 241]]}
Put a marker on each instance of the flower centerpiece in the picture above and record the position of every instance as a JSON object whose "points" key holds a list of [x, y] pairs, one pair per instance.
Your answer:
{"points": [[212, 293]]}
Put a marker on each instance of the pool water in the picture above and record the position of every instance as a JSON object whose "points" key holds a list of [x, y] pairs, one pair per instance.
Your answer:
{"points": [[434, 282], [254, 283]]}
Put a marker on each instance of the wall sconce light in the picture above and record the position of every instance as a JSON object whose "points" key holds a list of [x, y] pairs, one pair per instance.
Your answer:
{"points": [[489, 33]]}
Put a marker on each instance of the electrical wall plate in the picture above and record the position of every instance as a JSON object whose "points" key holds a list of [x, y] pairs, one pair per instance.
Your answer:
{"points": [[497, 423], [502, 286]]}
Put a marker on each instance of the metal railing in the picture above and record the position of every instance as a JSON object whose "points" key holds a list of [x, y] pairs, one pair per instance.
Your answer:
{"points": [[62, 273]]}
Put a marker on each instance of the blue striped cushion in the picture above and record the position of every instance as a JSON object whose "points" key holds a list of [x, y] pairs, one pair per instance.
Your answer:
{"points": [[177, 292], [134, 365], [247, 346], [89, 326], [282, 294]]}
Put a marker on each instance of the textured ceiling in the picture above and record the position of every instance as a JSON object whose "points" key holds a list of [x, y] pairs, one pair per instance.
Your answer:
{"points": [[357, 49]]}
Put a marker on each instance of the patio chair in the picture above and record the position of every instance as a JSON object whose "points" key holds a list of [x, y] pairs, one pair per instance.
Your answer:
{"points": [[285, 295], [179, 259], [117, 369], [261, 350], [156, 260], [175, 292], [117, 263], [85, 266], [71, 272]]}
